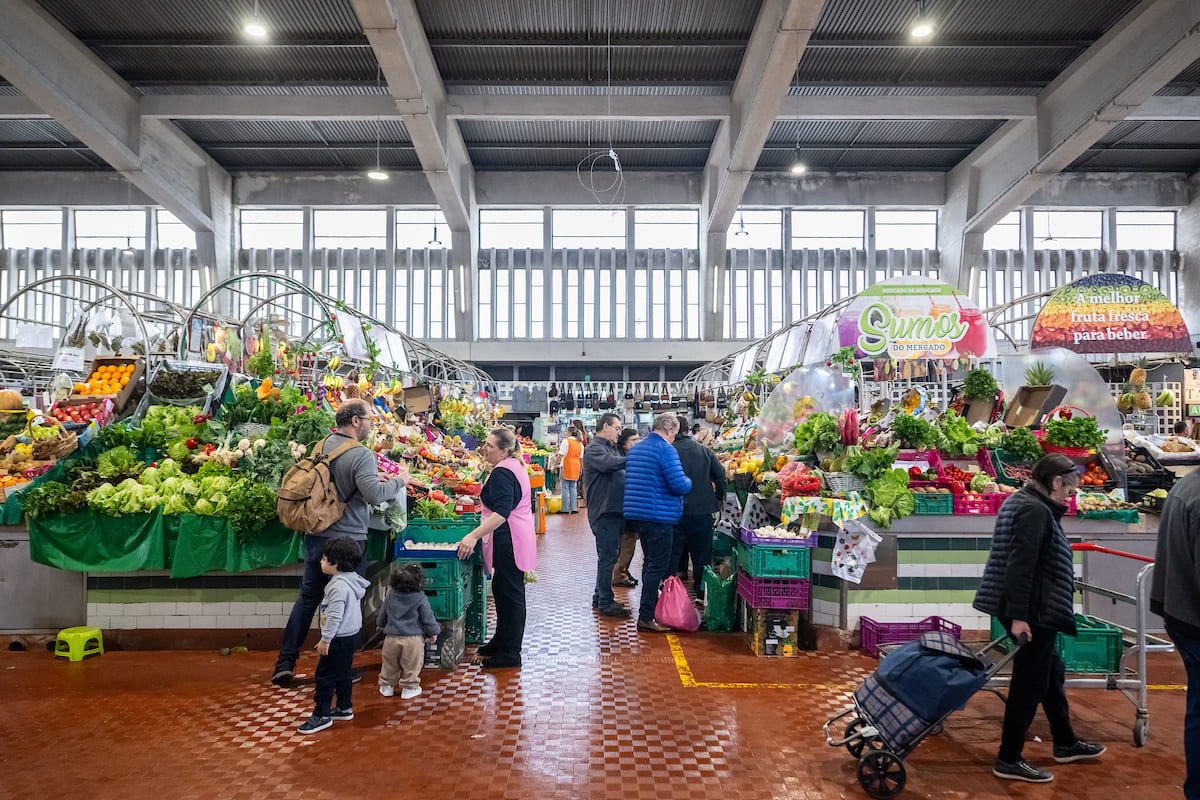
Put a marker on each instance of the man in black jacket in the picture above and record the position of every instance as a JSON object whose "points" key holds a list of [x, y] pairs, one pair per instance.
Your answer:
{"points": [[1175, 594], [1028, 583], [604, 486], [695, 529]]}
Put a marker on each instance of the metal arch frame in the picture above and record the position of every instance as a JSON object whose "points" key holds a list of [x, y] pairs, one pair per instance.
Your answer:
{"points": [[113, 294]]}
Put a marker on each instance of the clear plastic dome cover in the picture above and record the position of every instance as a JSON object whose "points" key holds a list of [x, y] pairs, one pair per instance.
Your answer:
{"points": [[808, 389]]}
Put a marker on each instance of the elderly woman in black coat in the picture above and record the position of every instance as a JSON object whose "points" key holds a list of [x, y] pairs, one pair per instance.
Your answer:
{"points": [[1028, 584]]}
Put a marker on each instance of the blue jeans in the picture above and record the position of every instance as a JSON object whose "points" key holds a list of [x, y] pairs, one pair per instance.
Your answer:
{"points": [[607, 530], [695, 532], [656, 562], [570, 496], [333, 675], [1189, 651], [312, 589]]}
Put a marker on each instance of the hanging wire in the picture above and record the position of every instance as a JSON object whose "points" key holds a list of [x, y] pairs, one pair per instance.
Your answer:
{"points": [[607, 192]]}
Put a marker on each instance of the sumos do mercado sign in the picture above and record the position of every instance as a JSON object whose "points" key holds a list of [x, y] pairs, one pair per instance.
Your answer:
{"points": [[1110, 313], [906, 318]]}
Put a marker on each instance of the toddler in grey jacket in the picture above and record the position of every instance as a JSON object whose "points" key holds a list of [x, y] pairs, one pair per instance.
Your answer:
{"points": [[406, 619]]}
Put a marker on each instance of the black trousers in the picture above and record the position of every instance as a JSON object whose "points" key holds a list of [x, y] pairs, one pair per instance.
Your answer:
{"points": [[333, 674], [1037, 679], [508, 593]]}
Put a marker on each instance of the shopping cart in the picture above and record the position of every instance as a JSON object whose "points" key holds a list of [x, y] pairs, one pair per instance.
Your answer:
{"points": [[916, 687]]}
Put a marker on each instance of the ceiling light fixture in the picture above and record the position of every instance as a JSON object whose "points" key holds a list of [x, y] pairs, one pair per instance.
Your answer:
{"points": [[741, 231], [378, 174], [798, 166], [128, 249], [922, 27], [1049, 236], [254, 26], [434, 242]]}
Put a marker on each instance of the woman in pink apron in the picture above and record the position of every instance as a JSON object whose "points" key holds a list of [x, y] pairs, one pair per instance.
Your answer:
{"points": [[509, 545]]}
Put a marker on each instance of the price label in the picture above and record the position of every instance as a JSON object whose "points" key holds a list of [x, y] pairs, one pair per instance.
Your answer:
{"points": [[69, 359], [30, 335]]}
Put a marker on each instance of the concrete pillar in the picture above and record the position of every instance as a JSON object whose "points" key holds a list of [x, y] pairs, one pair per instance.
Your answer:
{"points": [[1187, 242], [712, 277], [960, 251], [464, 267]]}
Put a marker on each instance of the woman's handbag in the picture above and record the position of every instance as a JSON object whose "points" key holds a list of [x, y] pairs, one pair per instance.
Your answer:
{"points": [[675, 608]]}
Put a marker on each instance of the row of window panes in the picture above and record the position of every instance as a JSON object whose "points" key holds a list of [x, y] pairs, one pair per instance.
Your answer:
{"points": [[99, 228], [1083, 230]]}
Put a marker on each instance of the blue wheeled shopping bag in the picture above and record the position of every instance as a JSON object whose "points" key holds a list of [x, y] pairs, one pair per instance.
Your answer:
{"points": [[932, 676]]}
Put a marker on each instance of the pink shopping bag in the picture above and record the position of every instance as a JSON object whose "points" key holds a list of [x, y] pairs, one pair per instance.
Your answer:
{"points": [[675, 607]]}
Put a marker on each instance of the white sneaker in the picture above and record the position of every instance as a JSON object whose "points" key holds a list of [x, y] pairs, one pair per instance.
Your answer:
{"points": [[386, 691], [409, 692]]}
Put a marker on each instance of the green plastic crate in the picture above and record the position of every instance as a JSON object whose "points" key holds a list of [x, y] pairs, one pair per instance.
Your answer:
{"points": [[477, 611], [442, 530], [761, 561], [722, 545], [449, 602], [439, 572], [930, 504], [1096, 647]]}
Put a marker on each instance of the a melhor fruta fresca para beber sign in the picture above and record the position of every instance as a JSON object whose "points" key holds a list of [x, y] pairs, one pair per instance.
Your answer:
{"points": [[1110, 313]]}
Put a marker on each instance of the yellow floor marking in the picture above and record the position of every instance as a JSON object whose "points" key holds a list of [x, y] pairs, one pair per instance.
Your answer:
{"points": [[689, 680]]}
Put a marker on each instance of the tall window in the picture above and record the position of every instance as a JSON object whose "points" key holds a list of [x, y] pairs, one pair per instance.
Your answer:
{"points": [[418, 229], [753, 229], [1005, 234], [267, 228], [1146, 230], [349, 228], [172, 233], [666, 229], [38, 228], [1067, 230], [511, 228], [120, 227], [591, 227], [905, 230], [829, 230]]}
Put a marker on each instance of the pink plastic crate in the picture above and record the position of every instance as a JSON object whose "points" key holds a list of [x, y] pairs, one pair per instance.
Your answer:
{"points": [[934, 459], [875, 633], [808, 541], [982, 458], [983, 504], [772, 592]]}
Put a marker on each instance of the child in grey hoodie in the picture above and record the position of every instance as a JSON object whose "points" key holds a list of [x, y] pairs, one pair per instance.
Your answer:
{"points": [[341, 620], [405, 618]]}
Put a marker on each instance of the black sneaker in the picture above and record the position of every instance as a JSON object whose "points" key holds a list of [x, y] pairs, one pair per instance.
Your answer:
{"points": [[342, 713], [1020, 771], [615, 610], [595, 602], [315, 723], [627, 583], [485, 649], [356, 676], [282, 676], [1078, 751], [501, 662]]}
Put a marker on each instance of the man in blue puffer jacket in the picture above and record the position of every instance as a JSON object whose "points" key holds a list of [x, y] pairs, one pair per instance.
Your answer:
{"points": [[654, 490]]}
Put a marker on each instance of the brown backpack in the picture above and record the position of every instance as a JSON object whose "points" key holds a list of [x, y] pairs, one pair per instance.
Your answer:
{"points": [[308, 500]]}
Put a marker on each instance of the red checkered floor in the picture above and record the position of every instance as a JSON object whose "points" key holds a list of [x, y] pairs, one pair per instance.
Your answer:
{"points": [[597, 711]]}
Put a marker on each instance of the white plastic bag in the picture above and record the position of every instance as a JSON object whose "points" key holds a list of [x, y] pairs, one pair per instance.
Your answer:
{"points": [[855, 548]]}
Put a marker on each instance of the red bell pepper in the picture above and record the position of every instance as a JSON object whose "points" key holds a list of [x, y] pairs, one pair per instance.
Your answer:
{"points": [[915, 473]]}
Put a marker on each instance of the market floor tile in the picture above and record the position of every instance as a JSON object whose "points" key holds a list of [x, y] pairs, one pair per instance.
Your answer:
{"points": [[598, 711]]}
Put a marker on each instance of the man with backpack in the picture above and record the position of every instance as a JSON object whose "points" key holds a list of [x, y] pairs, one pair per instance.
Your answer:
{"points": [[303, 498]]}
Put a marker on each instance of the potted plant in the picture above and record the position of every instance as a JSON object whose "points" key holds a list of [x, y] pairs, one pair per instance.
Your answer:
{"points": [[980, 393]]}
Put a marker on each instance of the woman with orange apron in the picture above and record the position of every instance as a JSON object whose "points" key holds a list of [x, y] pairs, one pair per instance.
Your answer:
{"points": [[570, 465]]}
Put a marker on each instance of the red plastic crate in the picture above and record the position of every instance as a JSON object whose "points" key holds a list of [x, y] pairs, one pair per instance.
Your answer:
{"points": [[772, 592], [983, 504], [934, 459], [875, 633]]}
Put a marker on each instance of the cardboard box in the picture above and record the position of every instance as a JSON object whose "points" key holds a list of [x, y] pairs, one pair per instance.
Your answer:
{"points": [[1032, 404], [772, 632], [121, 398], [981, 410], [418, 400]]}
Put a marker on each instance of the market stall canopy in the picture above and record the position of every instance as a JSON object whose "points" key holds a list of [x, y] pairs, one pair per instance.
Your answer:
{"points": [[1111, 313], [913, 317]]}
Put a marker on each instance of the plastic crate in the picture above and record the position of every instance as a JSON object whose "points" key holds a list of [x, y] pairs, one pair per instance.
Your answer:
{"points": [[772, 592], [931, 504], [476, 623], [1096, 647], [875, 634], [773, 541], [935, 463], [443, 531], [982, 504], [761, 561], [722, 545], [1002, 459], [439, 572], [450, 602]]}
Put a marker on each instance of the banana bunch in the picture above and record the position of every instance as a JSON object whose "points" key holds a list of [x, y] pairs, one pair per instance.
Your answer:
{"points": [[363, 384], [455, 406], [391, 388], [335, 362], [333, 382]]}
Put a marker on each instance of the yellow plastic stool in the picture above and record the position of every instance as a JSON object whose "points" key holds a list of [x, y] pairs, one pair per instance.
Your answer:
{"points": [[73, 642]]}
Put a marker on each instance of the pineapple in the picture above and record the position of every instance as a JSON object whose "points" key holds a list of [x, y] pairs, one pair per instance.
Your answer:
{"points": [[1138, 376], [1143, 400], [1039, 375]]}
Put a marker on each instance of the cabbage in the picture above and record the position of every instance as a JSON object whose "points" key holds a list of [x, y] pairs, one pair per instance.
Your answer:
{"points": [[204, 507], [151, 476]]}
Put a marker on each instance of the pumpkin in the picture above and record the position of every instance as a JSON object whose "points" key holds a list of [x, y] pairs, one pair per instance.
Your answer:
{"points": [[264, 390], [11, 401]]}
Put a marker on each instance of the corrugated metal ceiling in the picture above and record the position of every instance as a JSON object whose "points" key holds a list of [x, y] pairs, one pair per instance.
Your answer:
{"points": [[160, 19], [391, 131]]}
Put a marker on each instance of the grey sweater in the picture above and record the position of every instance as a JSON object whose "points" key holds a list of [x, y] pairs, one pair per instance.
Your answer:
{"points": [[407, 614], [603, 478], [341, 609], [1175, 588], [356, 476]]}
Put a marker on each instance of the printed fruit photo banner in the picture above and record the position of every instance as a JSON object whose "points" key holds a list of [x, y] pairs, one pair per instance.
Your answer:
{"points": [[910, 318], [1110, 313]]}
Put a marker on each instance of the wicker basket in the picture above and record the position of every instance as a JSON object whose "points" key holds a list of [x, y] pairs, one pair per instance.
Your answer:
{"points": [[844, 482], [55, 447]]}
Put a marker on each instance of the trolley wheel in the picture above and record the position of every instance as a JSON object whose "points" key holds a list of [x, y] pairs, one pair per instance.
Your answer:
{"points": [[881, 774], [1141, 730], [937, 729], [858, 744]]}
